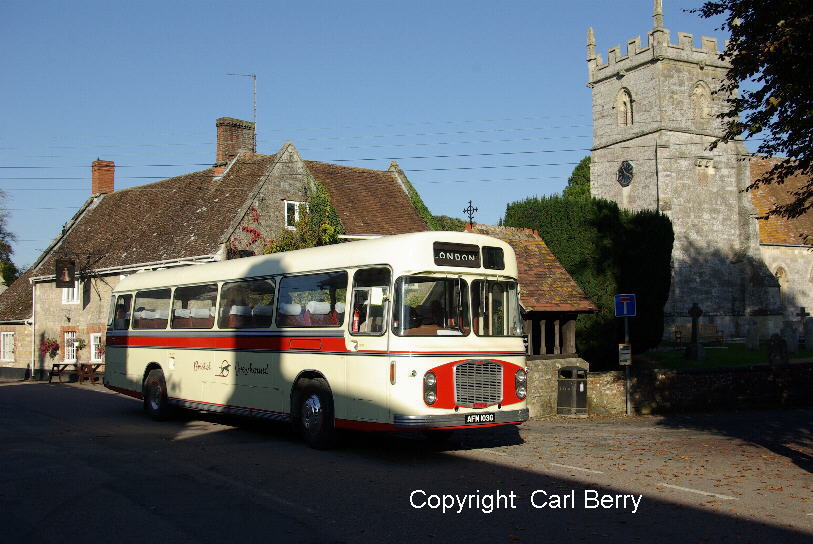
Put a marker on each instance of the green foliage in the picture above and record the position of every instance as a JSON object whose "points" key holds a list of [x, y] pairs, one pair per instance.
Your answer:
{"points": [[607, 251], [444, 222], [8, 271], [771, 48], [578, 184], [420, 207], [318, 223]]}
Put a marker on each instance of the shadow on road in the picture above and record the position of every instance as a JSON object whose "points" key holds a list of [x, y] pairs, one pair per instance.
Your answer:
{"points": [[241, 481], [788, 433]]}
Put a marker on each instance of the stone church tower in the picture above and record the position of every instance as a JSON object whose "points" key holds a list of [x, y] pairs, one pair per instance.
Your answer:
{"points": [[654, 117]]}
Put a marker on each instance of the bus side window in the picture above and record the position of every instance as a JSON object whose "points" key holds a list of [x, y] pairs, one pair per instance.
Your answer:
{"points": [[121, 312], [194, 307], [312, 300], [151, 309], [371, 287], [246, 304]]}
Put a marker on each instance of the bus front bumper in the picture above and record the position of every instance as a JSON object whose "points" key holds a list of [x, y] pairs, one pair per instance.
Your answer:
{"points": [[469, 419]]}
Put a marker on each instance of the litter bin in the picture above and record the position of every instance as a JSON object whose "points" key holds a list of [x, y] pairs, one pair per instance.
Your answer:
{"points": [[572, 391]]}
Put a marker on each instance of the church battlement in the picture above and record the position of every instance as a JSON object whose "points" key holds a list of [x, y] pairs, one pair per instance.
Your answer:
{"points": [[659, 46]]}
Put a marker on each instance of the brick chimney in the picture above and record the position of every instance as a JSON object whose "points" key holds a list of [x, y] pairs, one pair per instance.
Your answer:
{"points": [[233, 136], [102, 173]]}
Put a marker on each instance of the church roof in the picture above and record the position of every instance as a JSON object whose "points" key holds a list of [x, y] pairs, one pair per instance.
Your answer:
{"points": [[778, 230], [545, 286]]}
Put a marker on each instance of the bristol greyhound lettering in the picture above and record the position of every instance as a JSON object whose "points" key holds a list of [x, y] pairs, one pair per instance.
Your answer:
{"points": [[198, 366], [251, 369]]}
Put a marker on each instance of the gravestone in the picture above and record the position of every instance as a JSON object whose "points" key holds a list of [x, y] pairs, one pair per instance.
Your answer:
{"points": [[808, 331], [790, 333], [752, 335], [695, 352], [777, 351]]}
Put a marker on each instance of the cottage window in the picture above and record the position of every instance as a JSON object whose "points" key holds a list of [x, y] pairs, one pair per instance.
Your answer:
{"points": [[292, 209], [70, 295], [7, 346], [96, 349], [70, 347]]}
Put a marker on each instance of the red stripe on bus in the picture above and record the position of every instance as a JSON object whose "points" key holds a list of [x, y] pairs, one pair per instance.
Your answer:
{"points": [[123, 391], [271, 343]]}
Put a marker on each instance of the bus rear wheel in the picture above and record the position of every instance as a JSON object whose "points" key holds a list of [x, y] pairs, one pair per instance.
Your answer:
{"points": [[316, 416], [156, 403]]}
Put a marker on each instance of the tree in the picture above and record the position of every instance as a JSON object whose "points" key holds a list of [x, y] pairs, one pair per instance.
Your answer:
{"points": [[8, 271], [771, 47], [445, 222], [607, 251], [578, 184]]}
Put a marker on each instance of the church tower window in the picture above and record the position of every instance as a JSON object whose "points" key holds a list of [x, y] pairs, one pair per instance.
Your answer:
{"points": [[623, 105]]}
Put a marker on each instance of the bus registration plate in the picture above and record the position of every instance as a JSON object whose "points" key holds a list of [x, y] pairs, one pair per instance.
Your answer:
{"points": [[479, 418]]}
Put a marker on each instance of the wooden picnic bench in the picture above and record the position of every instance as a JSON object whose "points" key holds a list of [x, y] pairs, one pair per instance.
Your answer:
{"points": [[91, 372], [58, 369], [707, 332]]}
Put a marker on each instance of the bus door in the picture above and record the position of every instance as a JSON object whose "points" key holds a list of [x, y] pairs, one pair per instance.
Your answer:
{"points": [[368, 369]]}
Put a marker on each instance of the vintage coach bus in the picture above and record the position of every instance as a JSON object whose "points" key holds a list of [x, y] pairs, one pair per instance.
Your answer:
{"points": [[415, 331]]}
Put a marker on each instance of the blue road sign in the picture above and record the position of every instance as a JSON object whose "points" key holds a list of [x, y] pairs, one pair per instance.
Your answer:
{"points": [[625, 305]]}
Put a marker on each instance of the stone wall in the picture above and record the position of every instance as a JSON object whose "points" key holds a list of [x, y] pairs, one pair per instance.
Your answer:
{"points": [[797, 276], [54, 318], [605, 393], [263, 220], [18, 368], [543, 376], [665, 391]]}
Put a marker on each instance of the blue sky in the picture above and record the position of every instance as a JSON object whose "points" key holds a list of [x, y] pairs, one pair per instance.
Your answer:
{"points": [[477, 100]]}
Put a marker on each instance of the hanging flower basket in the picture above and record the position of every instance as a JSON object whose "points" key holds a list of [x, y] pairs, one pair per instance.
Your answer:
{"points": [[49, 347]]}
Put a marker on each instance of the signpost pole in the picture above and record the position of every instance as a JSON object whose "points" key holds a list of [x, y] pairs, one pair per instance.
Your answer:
{"points": [[627, 367]]}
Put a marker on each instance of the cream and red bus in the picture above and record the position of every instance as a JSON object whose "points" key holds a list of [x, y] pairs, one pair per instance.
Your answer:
{"points": [[415, 331]]}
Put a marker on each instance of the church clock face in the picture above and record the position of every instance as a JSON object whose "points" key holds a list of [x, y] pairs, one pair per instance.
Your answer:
{"points": [[625, 173]]}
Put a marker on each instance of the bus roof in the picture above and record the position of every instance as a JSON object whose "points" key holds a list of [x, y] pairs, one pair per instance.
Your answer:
{"points": [[405, 253]]}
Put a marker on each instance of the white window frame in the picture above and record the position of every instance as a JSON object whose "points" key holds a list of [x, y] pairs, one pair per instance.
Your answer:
{"points": [[70, 295], [296, 212], [95, 343], [7, 347], [69, 355]]}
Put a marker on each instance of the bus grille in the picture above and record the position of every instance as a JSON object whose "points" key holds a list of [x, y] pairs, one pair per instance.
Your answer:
{"points": [[478, 383]]}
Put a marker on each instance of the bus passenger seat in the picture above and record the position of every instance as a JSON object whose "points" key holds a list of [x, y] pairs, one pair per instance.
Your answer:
{"points": [[290, 315], [263, 314], [317, 314], [202, 318], [181, 318], [239, 317]]}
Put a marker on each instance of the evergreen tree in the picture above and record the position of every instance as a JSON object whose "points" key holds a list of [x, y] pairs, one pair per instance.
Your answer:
{"points": [[578, 184]]}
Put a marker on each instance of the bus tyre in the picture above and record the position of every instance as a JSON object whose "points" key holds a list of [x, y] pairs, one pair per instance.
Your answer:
{"points": [[156, 403], [316, 417]]}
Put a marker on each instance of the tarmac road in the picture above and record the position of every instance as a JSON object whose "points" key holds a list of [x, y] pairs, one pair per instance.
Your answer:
{"points": [[82, 464]]}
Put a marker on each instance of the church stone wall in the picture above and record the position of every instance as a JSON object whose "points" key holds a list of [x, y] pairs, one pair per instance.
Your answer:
{"points": [[716, 259]]}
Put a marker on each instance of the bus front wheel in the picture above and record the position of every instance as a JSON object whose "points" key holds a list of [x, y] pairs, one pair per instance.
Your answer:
{"points": [[156, 403], [316, 418]]}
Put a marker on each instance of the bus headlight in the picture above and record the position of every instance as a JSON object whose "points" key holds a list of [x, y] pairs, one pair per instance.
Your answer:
{"points": [[520, 383], [430, 393]]}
